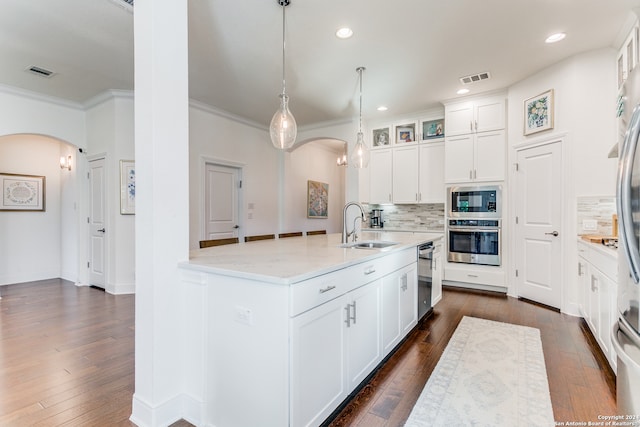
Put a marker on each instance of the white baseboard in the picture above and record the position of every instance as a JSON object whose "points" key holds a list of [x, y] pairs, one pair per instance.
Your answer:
{"points": [[476, 286], [180, 407]]}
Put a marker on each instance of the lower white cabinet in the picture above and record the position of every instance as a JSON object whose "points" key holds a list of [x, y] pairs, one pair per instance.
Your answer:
{"points": [[598, 290], [337, 344], [333, 348], [399, 306]]}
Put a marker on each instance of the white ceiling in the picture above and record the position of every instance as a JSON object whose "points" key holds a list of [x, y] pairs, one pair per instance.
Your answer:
{"points": [[414, 51]]}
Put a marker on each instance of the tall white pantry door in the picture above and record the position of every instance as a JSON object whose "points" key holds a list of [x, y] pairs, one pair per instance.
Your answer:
{"points": [[538, 195], [97, 227]]}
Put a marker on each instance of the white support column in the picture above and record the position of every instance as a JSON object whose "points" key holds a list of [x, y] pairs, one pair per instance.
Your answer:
{"points": [[162, 205]]}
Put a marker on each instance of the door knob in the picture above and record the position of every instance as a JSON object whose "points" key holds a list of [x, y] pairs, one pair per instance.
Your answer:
{"points": [[102, 230], [553, 233], [236, 226]]}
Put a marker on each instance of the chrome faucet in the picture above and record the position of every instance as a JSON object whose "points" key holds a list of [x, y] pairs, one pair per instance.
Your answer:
{"points": [[345, 233]]}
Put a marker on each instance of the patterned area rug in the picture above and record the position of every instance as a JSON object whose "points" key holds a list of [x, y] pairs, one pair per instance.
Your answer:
{"points": [[490, 374]]}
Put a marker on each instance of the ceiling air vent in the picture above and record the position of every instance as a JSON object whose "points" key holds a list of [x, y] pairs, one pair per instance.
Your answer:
{"points": [[475, 78], [39, 71]]}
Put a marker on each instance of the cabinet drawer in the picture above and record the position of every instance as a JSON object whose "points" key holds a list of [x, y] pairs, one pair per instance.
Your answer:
{"points": [[480, 277], [313, 292]]}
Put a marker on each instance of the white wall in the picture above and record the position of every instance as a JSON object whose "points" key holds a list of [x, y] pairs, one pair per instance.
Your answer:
{"points": [[32, 130], [110, 132], [314, 161], [585, 93], [30, 242], [213, 137]]}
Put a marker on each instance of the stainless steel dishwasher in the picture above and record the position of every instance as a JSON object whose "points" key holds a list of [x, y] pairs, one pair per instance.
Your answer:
{"points": [[425, 278]]}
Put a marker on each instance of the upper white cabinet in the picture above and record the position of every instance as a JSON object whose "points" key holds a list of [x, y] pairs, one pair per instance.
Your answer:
{"points": [[475, 143], [407, 162], [475, 157], [481, 115], [380, 176]]}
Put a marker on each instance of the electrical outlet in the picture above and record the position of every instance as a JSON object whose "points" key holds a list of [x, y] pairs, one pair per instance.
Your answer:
{"points": [[244, 315], [589, 224]]}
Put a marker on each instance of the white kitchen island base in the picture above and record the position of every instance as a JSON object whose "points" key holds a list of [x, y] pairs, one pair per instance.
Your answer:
{"points": [[275, 351]]}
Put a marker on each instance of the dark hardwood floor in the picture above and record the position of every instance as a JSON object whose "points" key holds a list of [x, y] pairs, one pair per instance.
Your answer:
{"points": [[67, 358]]}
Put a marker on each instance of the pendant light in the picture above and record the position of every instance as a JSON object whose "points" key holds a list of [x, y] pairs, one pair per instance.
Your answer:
{"points": [[360, 155], [283, 128]]}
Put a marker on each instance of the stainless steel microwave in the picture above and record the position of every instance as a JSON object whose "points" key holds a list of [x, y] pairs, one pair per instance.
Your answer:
{"points": [[475, 202]]}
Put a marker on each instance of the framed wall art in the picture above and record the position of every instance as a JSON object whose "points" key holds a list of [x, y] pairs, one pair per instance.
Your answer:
{"points": [[317, 199], [538, 113], [405, 133], [22, 192], [380, 137], [127, 187], [432, 129]]}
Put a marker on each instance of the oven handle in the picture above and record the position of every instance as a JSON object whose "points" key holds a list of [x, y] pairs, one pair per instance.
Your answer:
{"points": [[473, 230]]}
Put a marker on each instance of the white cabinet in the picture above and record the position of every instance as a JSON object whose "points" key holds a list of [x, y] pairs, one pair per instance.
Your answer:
{"points": [[479, 115], [475, 157], [380, 176], [318, 374], [436, 266], [405, 174], [597, 275], [417, 173], [337, 339], [362, 350], [399, 306], [431, 177]]}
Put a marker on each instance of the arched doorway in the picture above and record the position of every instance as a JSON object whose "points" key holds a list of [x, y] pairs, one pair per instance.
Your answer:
{"points": [[38, 245]]}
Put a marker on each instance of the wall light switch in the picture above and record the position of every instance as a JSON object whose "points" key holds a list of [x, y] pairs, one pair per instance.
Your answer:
{"points": [[589, 224]]}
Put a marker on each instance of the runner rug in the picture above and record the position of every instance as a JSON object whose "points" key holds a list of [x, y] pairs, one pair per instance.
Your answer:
{"points": [[490, 374]]}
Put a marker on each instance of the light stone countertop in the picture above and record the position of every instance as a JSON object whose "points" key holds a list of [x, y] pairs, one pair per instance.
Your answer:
{"points": [[294, 259], [610, 252]]}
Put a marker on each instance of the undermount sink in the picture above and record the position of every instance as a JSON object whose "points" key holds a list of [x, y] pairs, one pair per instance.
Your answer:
{"points": [[375, 244]]}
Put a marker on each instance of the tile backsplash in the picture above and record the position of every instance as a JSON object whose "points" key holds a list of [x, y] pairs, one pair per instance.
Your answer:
{"points": [[426, 217], [599, 209]]}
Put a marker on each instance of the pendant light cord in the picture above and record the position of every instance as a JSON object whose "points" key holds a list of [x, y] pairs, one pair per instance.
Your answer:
{"points": [[284, 5], [360, 70]]}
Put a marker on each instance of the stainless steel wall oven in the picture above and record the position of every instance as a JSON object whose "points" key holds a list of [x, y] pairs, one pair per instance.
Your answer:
{"points": [[474, 241]]}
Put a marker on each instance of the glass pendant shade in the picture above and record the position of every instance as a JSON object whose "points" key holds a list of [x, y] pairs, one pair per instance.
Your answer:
{"points": [[283, 128], [360, 155]]}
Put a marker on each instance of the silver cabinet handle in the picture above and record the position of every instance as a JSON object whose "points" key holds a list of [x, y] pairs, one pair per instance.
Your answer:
{"points": [[348, 319], [471, 125], [327, 289], [553, 233], [354, 312], [476, 122], [369, 270], [102, 230], [404, 286], [472, 275], [470, 174], [579, 269]]}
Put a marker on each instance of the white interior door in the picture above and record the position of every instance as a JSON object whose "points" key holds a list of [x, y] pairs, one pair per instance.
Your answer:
{"points": [[222, 186], [97, 226], [538, 209]]}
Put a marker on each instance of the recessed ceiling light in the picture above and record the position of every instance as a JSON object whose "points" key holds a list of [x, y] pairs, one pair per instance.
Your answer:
{"points": [[382, 108], [555, 37], [344, 32], [462, 91]]}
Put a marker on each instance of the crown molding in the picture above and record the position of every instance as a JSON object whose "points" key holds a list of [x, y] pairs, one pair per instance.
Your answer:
{"points": [[227, 115], [12, 90], [106, 96]]}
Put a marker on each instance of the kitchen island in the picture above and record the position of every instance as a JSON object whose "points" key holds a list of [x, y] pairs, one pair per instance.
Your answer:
{"points": [[280, 332]]}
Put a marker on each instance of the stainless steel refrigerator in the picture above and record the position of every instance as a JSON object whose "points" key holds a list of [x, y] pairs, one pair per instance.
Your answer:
{"points": [[625, 335]]}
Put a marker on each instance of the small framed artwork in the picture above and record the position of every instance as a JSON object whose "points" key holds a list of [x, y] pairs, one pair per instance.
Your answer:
{"points": [[405, 133], [432, 129], [127, 187], [22, 192], [538, 113], [380, 137], [317, 199]]}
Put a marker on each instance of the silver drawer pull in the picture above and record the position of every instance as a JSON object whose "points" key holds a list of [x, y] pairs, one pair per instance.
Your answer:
{"points": [[327, 289], [472, 275], [370, 270]]}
